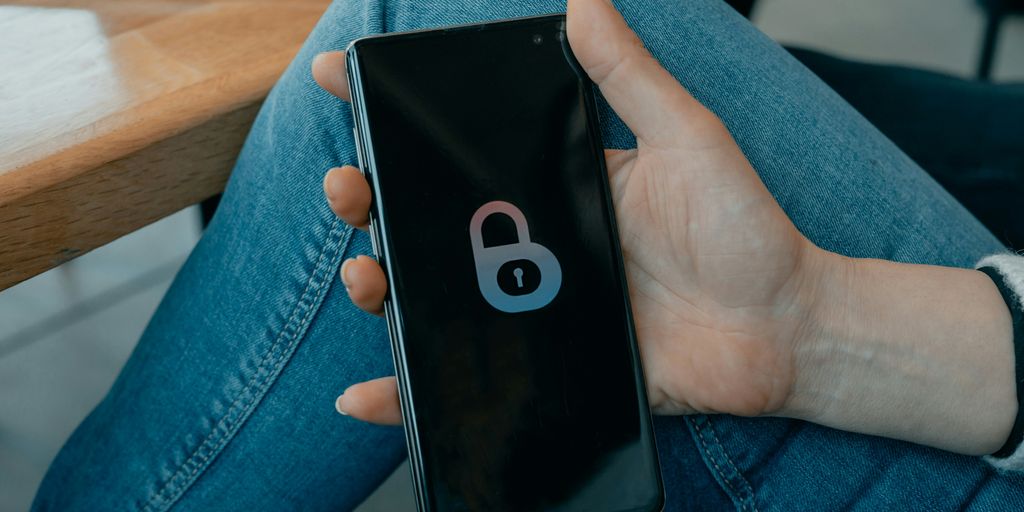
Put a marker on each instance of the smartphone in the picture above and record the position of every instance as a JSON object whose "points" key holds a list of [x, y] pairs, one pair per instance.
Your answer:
{"points": [[518, 368]]}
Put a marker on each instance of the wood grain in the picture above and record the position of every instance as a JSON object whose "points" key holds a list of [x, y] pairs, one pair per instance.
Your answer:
{"points": [[114, 114]]}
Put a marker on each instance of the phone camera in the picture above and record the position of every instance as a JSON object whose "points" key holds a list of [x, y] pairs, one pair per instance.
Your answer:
{"points": [[538, 39]]}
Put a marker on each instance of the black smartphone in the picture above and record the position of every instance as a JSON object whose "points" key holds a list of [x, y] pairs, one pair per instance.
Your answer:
{"points": [[517, 362]]}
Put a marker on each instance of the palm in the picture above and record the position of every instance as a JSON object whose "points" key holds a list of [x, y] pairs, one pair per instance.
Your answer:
{"points": [[708, 254]]}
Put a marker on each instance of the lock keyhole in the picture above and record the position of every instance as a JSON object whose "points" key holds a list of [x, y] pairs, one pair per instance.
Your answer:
{"points": [[518, 272], [518, 277]]}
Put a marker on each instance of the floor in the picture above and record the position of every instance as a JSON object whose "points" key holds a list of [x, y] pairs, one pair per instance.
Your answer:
{"points": [[65, 334]]}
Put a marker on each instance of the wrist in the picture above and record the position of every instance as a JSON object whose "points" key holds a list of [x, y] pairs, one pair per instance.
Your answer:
{"points": [[913, 352], [825, 285]]}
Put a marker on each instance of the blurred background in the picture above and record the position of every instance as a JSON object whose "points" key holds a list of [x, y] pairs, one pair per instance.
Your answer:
{"points": [[65, 334]]}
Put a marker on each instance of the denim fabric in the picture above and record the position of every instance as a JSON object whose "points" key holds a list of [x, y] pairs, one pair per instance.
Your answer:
{"points": [[965, 133], [227, 403]]}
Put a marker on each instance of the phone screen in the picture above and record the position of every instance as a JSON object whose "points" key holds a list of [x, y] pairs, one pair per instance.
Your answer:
{"points": [[514, 338]]}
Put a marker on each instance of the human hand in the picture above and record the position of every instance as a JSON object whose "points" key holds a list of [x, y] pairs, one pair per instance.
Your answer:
{"points": [[717, 273]]}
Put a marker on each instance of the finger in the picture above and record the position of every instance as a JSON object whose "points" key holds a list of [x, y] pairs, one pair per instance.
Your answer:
{"points": [[617, 160], [647, 98], [375, 401], [365, 282], [348, 194], [329, 71]]}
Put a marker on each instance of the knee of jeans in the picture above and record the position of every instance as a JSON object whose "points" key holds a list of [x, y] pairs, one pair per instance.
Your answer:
{"points": [[301, 130]]}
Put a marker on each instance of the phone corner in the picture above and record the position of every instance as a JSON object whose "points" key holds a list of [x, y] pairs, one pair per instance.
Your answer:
{"points": [[353, 46], [657, 503]]}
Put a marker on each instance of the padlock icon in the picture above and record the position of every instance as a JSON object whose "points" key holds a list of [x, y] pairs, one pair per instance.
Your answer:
{"points": [[489, 260]]}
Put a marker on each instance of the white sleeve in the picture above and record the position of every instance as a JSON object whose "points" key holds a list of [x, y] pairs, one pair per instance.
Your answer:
{"points": [[1011, 268]]}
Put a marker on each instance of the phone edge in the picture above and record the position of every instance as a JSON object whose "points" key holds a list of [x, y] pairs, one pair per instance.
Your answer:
{"points": [[364, 150], [593, 119], [470, 26], [391, 312]]}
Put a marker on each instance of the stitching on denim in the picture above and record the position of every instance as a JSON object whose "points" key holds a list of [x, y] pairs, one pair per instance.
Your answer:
{"points": [[747, 488], [718, 470], [744, 497], [273, 361], [204, 452]]}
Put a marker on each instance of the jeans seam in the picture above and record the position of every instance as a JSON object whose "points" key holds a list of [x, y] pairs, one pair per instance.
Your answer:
{"points": [[730, 478], [273, 361]]}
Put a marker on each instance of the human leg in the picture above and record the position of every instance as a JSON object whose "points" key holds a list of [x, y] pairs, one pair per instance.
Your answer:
{"points": [[965, 133], [844, 185], [227, 402]]}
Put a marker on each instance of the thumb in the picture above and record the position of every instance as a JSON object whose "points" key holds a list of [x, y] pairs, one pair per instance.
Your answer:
{"points": [[649, 100], [375, 401]]}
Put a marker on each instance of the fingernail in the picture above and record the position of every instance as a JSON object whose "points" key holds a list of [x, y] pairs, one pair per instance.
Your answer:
{"points": [[333, 185], [330, 188], [344, 278], [338, 406]]}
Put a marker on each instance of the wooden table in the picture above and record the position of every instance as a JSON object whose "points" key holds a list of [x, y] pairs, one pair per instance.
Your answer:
{"points": [[116, 113]]}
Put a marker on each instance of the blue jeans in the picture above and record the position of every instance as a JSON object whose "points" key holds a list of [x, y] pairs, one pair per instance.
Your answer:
{"points": [[965, 133], [227, 403]]}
